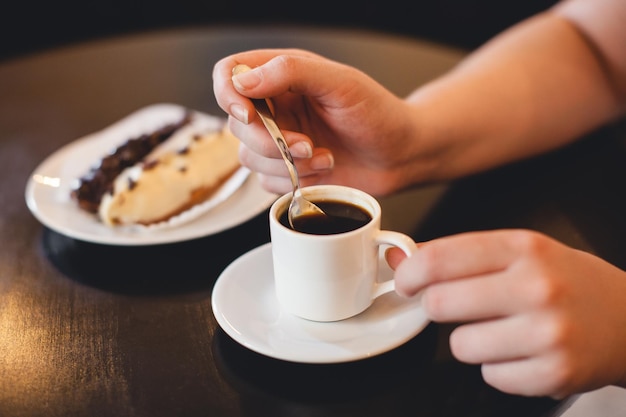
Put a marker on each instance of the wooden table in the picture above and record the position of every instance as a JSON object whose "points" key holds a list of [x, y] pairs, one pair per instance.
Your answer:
{"points": [[104, 330]]}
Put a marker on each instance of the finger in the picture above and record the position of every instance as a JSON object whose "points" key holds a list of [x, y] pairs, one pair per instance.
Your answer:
{"points": [[535, 376], [258, 140], [277, 185], [228, 98], [319, 164], [276, 173], [499, 340], [459, 256], [273, 167], [283, 185], [477, 298], [253, 58], [295, 72], [394, 255]]}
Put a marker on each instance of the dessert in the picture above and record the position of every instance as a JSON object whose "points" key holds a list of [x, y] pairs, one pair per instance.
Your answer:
{"points": [[155, 176]]}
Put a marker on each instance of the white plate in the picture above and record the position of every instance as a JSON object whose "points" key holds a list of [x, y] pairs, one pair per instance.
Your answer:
{"points": [[246, 308], [49, 187]]}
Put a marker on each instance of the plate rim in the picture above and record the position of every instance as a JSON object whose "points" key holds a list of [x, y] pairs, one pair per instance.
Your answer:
{"points": [[54, 162], [223, 322]]}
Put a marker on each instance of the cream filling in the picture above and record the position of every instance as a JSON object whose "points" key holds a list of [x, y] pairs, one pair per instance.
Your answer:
{"points": [[145, 196]]}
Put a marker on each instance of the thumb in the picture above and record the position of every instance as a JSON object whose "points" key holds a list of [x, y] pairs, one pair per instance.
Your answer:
{"points": [[303, 74]]}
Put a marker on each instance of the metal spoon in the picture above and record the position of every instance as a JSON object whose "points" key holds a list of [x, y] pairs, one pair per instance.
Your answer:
{"points": [[299, 205]]}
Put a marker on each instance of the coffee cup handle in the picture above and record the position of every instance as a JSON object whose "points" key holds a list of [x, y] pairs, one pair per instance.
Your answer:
{"points": [[399, 240]]}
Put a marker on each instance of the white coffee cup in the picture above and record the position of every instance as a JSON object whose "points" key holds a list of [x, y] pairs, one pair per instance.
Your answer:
{"points": [[331, 277]]}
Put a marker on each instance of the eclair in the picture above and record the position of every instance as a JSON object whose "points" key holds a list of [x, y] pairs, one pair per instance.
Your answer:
{"points": [[151, 178]]}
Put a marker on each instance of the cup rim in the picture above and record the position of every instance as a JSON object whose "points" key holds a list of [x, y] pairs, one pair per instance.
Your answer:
{"points": [[331, 192]]}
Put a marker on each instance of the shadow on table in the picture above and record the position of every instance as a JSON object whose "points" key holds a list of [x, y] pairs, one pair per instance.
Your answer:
{"points": [[183, 267], [418, 378], [286, 386]]}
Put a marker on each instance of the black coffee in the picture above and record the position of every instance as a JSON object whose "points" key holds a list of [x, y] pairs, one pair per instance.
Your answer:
{"points": [[340, 217]]}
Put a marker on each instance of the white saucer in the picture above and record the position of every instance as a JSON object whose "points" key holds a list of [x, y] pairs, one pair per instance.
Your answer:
{"points": [[49, 187], [246, 308]]}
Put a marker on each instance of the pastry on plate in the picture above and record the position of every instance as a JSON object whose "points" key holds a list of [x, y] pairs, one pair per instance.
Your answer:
{"points": [[158, 175]]}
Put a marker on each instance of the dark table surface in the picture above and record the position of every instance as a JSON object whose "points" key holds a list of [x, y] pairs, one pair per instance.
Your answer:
{"points": [[95, 330]]}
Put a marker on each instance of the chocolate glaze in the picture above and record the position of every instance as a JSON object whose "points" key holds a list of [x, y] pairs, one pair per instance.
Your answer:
{"points": [[99, 180]]}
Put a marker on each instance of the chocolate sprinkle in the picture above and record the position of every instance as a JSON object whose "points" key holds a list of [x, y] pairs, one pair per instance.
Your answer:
{"points": [[99, 180]]}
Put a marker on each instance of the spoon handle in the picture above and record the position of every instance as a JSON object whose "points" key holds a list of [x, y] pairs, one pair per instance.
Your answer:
{"points": [[263, 110]]}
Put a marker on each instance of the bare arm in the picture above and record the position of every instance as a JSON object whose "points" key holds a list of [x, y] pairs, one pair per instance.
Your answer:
{"points": [[535, 87], [539, 85]]}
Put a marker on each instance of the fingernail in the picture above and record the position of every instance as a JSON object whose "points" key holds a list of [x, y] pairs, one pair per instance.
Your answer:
{"points": [[301, 150], [246, 80], [239, 112], [322, 162]]}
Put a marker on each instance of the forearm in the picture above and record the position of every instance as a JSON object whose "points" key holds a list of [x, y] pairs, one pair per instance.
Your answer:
{"points": [[534, 88]]}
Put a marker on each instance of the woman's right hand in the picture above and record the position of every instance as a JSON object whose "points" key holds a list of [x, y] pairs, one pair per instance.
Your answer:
{"points": [[342, 126]]}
